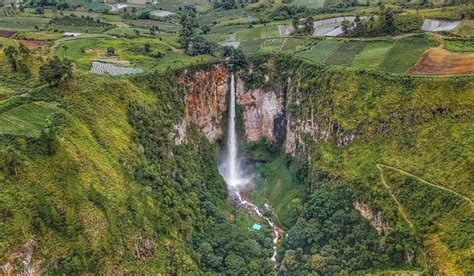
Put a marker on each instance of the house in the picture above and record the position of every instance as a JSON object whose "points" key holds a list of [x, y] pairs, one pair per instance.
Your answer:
{"points": [[256, 227]]}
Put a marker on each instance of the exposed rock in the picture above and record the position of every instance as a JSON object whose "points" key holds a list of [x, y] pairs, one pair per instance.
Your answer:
{"points": [[261, 109], [205, 100], [144, 248], [25, 258], [180, 132], [375, 219]]}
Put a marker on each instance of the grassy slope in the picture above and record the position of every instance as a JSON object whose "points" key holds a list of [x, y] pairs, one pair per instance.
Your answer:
{"points": [[96, 149], [419, 136]]}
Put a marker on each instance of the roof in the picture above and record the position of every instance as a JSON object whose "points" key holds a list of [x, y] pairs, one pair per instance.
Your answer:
{"points": [[256, 227]]}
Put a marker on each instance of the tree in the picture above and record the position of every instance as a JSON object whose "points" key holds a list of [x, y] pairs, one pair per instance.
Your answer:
{"points": [[147, 47], [309, 25], [10, 53], [199, 46], [388, 22], [110, 51], [24, 69], [24, 51], [10, 161], [56, 72], [295, 22], [205, 29]]}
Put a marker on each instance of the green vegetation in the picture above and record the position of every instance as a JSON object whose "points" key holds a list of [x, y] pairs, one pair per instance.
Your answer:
{"points": [[28, 119], [345, 53], [404, 54], [372, 54], [277, 185], [319, 53], [377, 178]]}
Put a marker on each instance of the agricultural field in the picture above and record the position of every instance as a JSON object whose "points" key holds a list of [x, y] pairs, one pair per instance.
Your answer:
{"points": [[258, 32], [78, 24], [292, 43], [345, 53], [320, 52], [27, 120], [465, 28], [309, 3], [251, 46], [404, 54], [272, 44], [372, 54], [459, 45], [439, 61], [22, 23]]}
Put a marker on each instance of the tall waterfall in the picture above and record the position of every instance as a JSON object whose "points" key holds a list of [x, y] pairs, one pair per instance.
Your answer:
{"points": [[233, 167], [231, 171]]}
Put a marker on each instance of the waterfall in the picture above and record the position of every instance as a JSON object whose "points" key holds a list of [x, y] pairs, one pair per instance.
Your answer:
{"points": [[231, 171], [232, 147]]}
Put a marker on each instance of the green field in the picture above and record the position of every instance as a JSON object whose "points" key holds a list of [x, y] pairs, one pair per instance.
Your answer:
{"points": [[27, 120], [292, 43], [404, 54], [22, 23], [320, 52], [372, 54], [273, 44], [251, 46], [466, 28], [309, 3], [258, 32], [345, 53]]}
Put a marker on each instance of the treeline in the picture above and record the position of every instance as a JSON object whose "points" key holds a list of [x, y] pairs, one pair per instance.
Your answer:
{"points": [[388, 22]]}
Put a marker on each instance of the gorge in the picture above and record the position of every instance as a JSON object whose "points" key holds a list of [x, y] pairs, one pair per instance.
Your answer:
{"points": [[341, 156]]}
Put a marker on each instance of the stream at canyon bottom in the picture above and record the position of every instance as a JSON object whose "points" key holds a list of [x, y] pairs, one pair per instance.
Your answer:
{"points": [[234, 178]]}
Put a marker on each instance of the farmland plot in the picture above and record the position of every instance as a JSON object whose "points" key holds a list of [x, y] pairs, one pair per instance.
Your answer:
{"points": [[320, 52], [439, 61], [28, 119], [372, 54], [345, 53], [22, 23], [404, 54], [101, 68]]}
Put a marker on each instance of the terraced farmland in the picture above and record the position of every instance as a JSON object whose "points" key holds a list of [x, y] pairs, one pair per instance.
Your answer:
{"points": [[404, 54], [20, 23], [320, 52], [345, 53], [372, 54], [27, 120]]}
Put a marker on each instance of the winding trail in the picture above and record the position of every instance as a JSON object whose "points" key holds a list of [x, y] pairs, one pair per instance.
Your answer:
{"points": [[380, 166], [400, 207]]}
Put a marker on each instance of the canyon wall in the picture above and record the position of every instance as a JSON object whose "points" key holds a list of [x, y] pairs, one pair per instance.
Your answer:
{"points": [[206, 102], [205, 99]]}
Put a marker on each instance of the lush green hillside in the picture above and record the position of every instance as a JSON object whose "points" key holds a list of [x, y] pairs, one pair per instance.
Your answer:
{"points": [[92, 182], [401, 130]]}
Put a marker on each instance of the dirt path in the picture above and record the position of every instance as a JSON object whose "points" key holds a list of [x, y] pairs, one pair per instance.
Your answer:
{"points": [[400, 207], [424, 181]]}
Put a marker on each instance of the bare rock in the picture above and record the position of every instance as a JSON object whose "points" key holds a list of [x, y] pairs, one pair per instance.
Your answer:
{"points": [[375, 219]]}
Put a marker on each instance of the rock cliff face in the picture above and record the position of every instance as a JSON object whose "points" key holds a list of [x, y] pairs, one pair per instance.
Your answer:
{"points": [[261, 110], [264, 111], [375, 219], [206, 92]]}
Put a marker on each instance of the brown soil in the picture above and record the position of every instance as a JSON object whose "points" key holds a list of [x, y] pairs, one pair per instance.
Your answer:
{"points": [[6, 34], [33, 44], [439, 61]]}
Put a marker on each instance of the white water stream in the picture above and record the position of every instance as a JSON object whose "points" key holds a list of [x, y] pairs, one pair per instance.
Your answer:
{"points": [[231, 171]]}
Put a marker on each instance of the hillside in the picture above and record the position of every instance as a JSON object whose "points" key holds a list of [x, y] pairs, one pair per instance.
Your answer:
{"points": [[318, 137]]}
